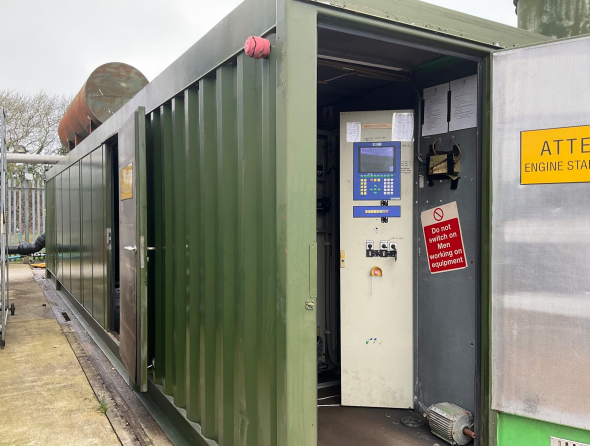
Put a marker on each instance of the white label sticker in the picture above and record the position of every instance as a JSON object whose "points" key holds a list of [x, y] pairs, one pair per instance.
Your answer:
{"points": [[560, 442], [353, 132], [403, 127]]}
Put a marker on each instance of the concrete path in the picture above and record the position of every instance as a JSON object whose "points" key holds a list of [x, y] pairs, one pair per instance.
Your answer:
{"points": [[45, 397]]}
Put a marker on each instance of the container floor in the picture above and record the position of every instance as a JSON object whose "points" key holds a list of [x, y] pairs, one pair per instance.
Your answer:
{"points": [[354, 426]]}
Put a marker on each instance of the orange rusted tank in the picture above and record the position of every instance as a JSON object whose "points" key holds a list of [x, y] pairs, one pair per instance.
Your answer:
{"points": [[108, 88]]}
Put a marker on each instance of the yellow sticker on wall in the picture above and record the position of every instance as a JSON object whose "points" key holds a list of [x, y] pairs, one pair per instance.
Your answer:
{"points": [[552, 156], [382, 125], [126, 183]]}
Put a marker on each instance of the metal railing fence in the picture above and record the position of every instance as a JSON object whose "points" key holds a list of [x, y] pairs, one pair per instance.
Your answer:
{"points": [[25, 209]]}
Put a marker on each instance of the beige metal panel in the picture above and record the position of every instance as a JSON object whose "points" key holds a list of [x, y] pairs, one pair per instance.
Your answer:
{"points": [[376, 312]]}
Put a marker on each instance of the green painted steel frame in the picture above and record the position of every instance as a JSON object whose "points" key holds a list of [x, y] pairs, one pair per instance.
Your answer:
{"points": [[142, 240], [232, 141], [417, 16]]}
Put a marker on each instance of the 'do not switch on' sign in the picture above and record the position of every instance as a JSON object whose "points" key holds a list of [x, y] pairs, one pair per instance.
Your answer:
{"points": [[443, 238]]}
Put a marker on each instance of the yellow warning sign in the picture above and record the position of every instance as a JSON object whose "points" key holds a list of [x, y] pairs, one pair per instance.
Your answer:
{"points": [[559, 155], [126, 183]]}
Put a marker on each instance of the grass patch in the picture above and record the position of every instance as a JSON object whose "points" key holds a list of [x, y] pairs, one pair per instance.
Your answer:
{"points": [[102, 405]]}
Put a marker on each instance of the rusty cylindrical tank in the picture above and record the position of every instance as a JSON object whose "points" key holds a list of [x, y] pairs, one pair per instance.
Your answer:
{"points": [[554, 18], [107, 89]]}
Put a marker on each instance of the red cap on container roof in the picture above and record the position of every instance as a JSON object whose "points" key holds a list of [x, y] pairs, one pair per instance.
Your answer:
{"points": [[257, 47]]}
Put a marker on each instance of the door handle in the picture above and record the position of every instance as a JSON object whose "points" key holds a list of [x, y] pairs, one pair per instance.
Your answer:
{"points": [[131, 248]]}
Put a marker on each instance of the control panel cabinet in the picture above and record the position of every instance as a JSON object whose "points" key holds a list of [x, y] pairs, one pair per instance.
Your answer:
{"points": [[376, 170], [376, 242]]}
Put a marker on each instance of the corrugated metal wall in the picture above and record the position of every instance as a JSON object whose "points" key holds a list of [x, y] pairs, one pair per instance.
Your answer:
{"points": [[75, 229], [216, 303], [50, 234], [76, 232], [215, 293]]}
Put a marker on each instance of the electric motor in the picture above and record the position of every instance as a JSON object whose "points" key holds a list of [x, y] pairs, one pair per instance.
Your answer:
{"points": [[451, 423]]}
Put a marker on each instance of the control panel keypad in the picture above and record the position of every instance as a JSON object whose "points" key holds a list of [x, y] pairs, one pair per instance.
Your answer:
{"points": [[388, 186], [373, 184]]}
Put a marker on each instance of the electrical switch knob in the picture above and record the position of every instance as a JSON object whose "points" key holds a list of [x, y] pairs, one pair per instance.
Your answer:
{"points": [[376, 271]]}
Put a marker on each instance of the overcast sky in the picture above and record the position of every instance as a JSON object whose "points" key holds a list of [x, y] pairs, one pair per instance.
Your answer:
{"points": [[54, 45]]}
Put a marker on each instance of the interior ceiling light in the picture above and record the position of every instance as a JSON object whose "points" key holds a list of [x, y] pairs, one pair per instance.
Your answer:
{"points": [[363, 71]]}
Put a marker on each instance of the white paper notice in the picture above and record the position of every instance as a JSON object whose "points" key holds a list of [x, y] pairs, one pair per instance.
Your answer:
{"points": [[463, 103], [403, 127], [435, 110], [353, 132]]}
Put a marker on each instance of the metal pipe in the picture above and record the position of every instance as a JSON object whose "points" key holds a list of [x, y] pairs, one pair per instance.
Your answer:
{"points": [[12, 158], [3, 269], [20, 212], [469, 433], [14, 210], [26, 204], [43, 210], [36, 210], [39, 209], [33, 213], [9, 217], [28, 248]]}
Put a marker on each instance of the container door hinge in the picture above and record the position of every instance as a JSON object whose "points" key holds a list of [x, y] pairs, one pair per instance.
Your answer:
{"points": [[309, 304], [313, 270], [141, 252]]}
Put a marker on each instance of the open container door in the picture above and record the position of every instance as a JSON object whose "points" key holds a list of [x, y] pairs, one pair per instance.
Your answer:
{"points": [[132, 247], [540, 232]]}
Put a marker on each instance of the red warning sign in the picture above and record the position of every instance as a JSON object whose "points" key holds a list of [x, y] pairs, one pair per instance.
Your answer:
{"points": [[443, 238], [438, 214]]}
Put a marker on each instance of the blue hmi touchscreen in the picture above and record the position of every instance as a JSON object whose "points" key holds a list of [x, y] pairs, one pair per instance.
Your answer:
{"points": [[377, 171]]}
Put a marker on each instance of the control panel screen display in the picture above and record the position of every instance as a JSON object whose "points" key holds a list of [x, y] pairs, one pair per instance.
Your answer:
{"points": [[376, 160]]}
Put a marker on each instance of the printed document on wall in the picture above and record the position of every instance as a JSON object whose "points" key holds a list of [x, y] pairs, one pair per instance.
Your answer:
{"points": [[353, 132], [403, 127], [463, 103], [435, 110]]}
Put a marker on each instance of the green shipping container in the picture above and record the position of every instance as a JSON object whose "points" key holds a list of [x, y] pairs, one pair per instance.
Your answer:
{"points": [[198, 229]]}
